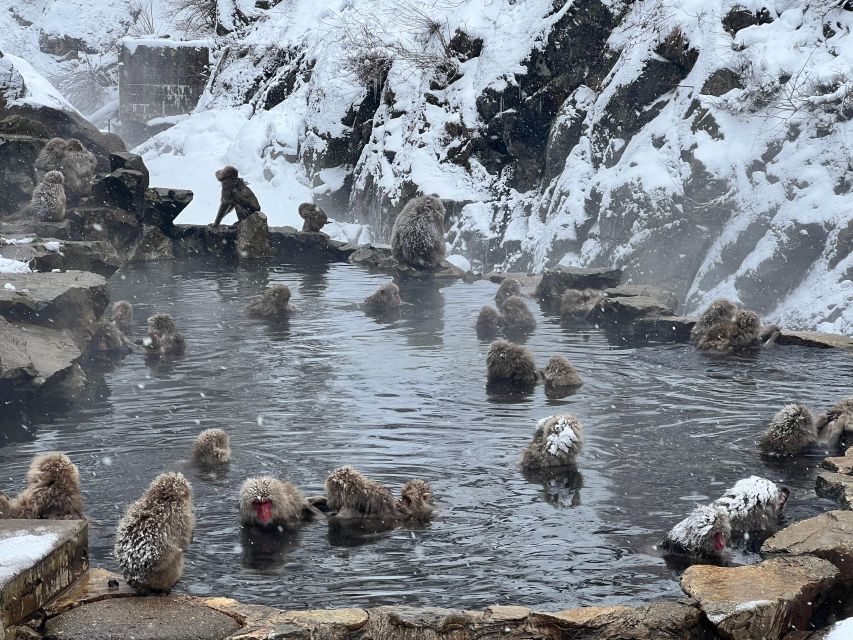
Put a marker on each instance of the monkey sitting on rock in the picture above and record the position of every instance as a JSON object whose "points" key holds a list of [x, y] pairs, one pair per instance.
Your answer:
{"points": [[48, 199], [417, 238], [50, 158], [235, 195], [268, 502], [78, 167], [383, 300], [273, 303], [52, 491], [557, 442], [314, 218], [211, 448], [723, 327], [705, 533], [163, 336], [794, 430], [154, 533]]}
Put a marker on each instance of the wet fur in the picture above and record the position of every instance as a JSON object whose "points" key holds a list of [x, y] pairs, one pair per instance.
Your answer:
{"points": [[560, 376], [578, 303], [557, 442], [274, 302], [417, 238], [489, 323], [753, 504], [50, 158], [78, 167], [695, 534], [108, 341], [165, 339], [509, 287], [287, 502], [122, 316], [416, 500], [713, 328], [52, 491], [235, 195], [48, 199], [353, 495], [313, 216], [834, 422], [517, 318], [509, 363], [384, 299], [791, 431], [212, 447]]}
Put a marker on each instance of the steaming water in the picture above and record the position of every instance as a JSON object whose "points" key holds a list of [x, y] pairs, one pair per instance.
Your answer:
{"points": [[665, 427]]}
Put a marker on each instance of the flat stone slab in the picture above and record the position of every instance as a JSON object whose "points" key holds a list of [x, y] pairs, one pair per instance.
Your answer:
{"points": [[151, 618], [841, 464], [554, 282], [659, 621], [96, 256], [666, 298], [760, 601], [620, 311], [665, 328], [828, 536], [380, 257], [835, 486], [64, 299], [815, 339], [92, 586], [38, 559]]}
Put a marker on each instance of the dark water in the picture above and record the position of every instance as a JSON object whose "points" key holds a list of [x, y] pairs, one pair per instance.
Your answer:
{"points": [[665, 427]]}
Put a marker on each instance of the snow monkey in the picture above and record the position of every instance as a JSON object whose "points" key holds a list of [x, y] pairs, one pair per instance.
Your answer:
{"points": [[154, 533], [163, 336], [123, 316], [517, 319], [754, 504], [510, 364], [6, 507], [50, 158], [48, 199], [837, 421], [314, 217], [575, 303], [211, 448], [52, 491], [268, 502], [236, 195], [273, 303], [704, 533], [415, 500], [350, 494], [78, 167], [384, 299], [712, 329], [509, 287], [417, 238], [557, 441], [560, 377], [108, 342], [489, 323], [793, 430]]}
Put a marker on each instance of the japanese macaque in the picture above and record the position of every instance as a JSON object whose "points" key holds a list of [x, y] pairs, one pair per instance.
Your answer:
{"points": [[163, 336], [52, 491], [313, 216], [351, 494], [273, 303], [509, 287], [123, 316], [48, 199], [108, 341], [517, 319], [746, 330], [417, 238], [489, 323], [792, 430], [236, 195], [415, 500], [78, 167], [713, 328], [837, 421], [212, 447], [705, 533], [754, 504], [577, 303], [154, 533], [510, 364], [384, 299], [557, 441], [268, 502], [50, 158], [560, 377]]}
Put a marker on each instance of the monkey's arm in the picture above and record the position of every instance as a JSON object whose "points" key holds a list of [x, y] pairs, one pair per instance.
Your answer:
{"points": [[768, 335], [830, 429], [224, 208]]}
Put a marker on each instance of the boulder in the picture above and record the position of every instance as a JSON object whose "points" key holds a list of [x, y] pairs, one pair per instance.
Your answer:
{"points": [[203, 240], [125, 160], [119, 227], [292, 243], [842, 464], [21, 126], [666, 298], [828, 536], [155, 245], [555, 281], [58, 300], [835, 486], [624, 311], [253, 237], [123, 188], [17, 168], [96, 256], [162, 206], [815, 339], [665, 328], [374, 256], [660, 621], [760, 601]]}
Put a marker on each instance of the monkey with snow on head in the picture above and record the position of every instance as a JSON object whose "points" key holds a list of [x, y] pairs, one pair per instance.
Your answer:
{"points": [[154, 533], [50, 158], [704, 533], [560, 377], [791, 431], [52, 491], [273, 303], [78, 167], [753, 504], [576, 303], [268, 502], [489, 323], [517, 319], [557, 442], [123, 316], [235, 195], [509, 287], [212, 447], [48, 199], [383, 300], [163, 336], [314, 217], [713, 328], [511, 365], [417, 238]]}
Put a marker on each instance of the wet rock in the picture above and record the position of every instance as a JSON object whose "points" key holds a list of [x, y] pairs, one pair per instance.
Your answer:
{"points": [[17, 160], [38, 559], [661, 621], [153, 618], [97, 256], [95, 584], [374, 256], [125, 160], [119, 227], [666, 298], [828, 536], [760, 601], [835, 486], [155, 245], [665, 328], [842, 464], [199, 240], [123, 188], [162, 206], [624, 311], [555, 281], [253, 237], [59, 300], [815, 339]]}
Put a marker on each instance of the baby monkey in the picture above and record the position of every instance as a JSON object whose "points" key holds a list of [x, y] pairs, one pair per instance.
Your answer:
{"points": [[163, 336], [211, 448], [384, 299]]}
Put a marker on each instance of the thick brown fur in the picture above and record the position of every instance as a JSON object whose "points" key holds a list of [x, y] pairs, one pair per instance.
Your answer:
{"points": [[384, 299], [835, 423], [713, 328], [6, 507], [577, 303], [417, 238], [48, 199], [353, 495], [236, 195], [274, 302], [701, 533], [154, 533], [489, 323], [78, 167], [163, 336], [746, 331], [509, 287], [509, 363], [517, 319], [557, 442], [286, 502], [123, 316], [212, 447], [416, 500], [313, 216], [108, 341], [791, 431], [560, 376], [52, 492], [50, 157]]}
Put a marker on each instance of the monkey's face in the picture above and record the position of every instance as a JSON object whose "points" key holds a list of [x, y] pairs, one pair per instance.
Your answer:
{"points": [[226, 172], [391, 295], [74, 145], [161, 324], [122, 312], [415, 498], [748, 321]]}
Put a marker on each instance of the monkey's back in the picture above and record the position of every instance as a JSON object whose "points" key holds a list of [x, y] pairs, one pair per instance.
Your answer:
{"points": [[417, 238], [78, 167], [48, 202]]}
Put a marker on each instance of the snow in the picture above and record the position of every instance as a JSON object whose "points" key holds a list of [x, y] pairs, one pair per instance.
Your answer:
{"points": [[53, 245], [38, 90], [19, 552], [460, 262], [841, 630], [16, 240], [8, 265], [164, 43]]}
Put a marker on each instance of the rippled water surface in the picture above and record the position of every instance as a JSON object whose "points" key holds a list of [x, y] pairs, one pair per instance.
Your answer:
{"points": [[665, 427]]}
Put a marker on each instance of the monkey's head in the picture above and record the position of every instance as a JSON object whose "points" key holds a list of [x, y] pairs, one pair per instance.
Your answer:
{"points": [[278, 295], [416, 499], [561, 436], [74, 145], [55, 146], [171, 488], [54, 177], [794, 418], [342, 485], [306, 209], [122, 311], [161, 324], [721, 310], [782, 499], [53, 468], [257, 499], [390, 295], [559, 365], [226, 172], [514, 306], [748, 321], [510, 287], [710, 528], [106, 339], [212, 446]]}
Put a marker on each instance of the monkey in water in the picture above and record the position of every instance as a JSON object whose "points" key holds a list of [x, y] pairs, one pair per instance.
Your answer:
{"points": [[211, 448], [557, 441], [704, 533], [122, 316], [509, 287], [578, 303], [415, 501], [48, 199], [417, 238], [273, 303], [236, 195], [268, 502], [163, 336], [793, 430], [489, 323], [560, 377], [838, 419], [713, 328], [154, 533], [313, 216], [352, 495], [510, 364], [516, 317], [108, 342], [384, 299], [50, 158], [754, 504], [78, 167], [52, 491]]}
